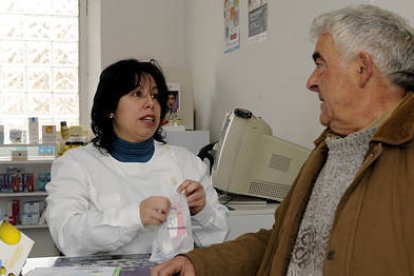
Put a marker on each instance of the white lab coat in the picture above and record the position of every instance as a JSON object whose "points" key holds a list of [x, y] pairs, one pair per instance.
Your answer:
{"points": [[93, 200]]}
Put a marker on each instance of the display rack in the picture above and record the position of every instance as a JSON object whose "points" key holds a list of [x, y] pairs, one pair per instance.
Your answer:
{"points": [[36, 160]]}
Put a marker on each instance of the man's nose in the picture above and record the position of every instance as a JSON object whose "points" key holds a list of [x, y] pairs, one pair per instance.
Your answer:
{"points": [[311, 83]]}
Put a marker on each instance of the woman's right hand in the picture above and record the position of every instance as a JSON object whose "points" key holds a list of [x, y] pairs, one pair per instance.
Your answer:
{"points": [[154, 209]]}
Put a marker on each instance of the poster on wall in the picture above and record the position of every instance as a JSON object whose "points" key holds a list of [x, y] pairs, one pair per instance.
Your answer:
{"points": [[257, 20], [231, 25]]}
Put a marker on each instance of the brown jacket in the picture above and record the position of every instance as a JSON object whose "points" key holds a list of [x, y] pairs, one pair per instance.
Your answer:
{"points": [[373, 228]]}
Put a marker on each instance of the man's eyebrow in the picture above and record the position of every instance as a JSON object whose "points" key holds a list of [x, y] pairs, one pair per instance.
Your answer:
{"points": [[316, 56]]}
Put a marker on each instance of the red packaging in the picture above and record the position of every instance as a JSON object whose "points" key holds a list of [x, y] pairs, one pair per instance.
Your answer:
{"points": [[30, 182], [15, 208], [15, 183]]}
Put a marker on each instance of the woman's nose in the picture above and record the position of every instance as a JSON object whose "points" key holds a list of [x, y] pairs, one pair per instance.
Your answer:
{"points": [[149, 100]]}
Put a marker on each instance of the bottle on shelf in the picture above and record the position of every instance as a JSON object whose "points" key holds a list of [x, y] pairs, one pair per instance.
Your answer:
{"points": [[33, 130], [1, 134], [64, 130], [65, 135]]}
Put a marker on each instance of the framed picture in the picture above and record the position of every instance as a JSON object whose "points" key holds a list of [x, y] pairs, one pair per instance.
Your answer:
{"points": [[173, 102]]}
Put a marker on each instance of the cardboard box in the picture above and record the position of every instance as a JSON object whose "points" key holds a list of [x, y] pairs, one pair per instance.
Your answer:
{"points": [[48, 134], [18, 155]]}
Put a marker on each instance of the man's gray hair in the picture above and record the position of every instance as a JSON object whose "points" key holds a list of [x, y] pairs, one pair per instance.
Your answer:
{"points": [[384, 35]]}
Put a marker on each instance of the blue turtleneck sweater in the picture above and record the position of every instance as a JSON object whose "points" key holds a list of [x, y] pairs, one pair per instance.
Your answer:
{"points": [[125, 151]]}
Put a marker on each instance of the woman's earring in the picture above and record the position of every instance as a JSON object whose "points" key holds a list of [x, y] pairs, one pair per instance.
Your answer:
{"points": [[111, 115]]}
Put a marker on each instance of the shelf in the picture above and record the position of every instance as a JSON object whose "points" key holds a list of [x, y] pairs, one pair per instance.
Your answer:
{"points": [[251, 209], [30, 160], [18, 206], [32, 194], [25, 145], [33, 152], [31, 226]]}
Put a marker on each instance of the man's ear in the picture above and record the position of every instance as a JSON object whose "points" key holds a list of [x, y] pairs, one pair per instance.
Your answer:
{"points": [[365, 68]]}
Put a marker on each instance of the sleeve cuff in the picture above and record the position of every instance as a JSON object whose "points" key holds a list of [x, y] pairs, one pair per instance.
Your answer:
{"points": [[205, 216], [130, 217]]}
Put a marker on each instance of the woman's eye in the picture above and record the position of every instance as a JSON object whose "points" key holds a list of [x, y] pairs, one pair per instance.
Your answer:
{"points": [[137, 94], [155, 96]]}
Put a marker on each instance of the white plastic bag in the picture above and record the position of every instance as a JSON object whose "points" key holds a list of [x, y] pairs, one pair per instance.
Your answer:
{"points": [[174, 235]]}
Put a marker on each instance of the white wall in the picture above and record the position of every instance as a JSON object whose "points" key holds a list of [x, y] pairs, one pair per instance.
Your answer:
{"points": [[141, 29], [187, 37], [269, 77]]}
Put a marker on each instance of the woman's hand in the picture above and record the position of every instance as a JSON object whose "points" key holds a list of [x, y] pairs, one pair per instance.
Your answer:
{"points": [[154, 209], [194, 192]]}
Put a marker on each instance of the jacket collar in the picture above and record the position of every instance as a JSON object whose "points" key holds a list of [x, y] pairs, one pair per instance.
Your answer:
{"points": [[396, 130]]}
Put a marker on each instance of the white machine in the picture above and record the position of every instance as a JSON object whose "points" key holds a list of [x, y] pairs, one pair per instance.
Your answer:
{"points": [[251, 161]]}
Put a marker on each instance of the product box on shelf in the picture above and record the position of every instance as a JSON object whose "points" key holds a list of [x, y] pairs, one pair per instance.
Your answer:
{"points": [[32, 211], [48, 134]]}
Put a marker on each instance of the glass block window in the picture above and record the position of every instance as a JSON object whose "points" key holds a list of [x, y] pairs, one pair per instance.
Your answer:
{"points": [[39, 63]]}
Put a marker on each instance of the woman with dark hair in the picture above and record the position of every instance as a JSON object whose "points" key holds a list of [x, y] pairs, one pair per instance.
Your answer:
{"points": [[111, 195]]}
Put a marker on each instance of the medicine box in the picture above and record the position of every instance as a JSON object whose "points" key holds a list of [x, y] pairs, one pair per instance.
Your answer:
{"points": [[48, 134]]}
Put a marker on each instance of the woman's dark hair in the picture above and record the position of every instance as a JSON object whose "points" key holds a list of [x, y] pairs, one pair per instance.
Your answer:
{"points": [[115, 81]]}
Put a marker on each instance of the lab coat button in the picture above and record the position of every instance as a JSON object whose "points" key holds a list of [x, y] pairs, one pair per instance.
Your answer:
{"points": [[331, 255]]}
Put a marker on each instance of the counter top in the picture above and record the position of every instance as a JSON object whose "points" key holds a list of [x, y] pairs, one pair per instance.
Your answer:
{"points": [[134, 264]]}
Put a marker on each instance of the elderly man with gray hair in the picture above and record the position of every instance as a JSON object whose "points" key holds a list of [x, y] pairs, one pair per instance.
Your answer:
{"points": [[350, 210]]}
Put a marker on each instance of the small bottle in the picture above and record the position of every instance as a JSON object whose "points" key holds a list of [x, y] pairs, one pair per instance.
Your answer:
{"points": [[64, 130], [33, 130], [1, 134]]}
